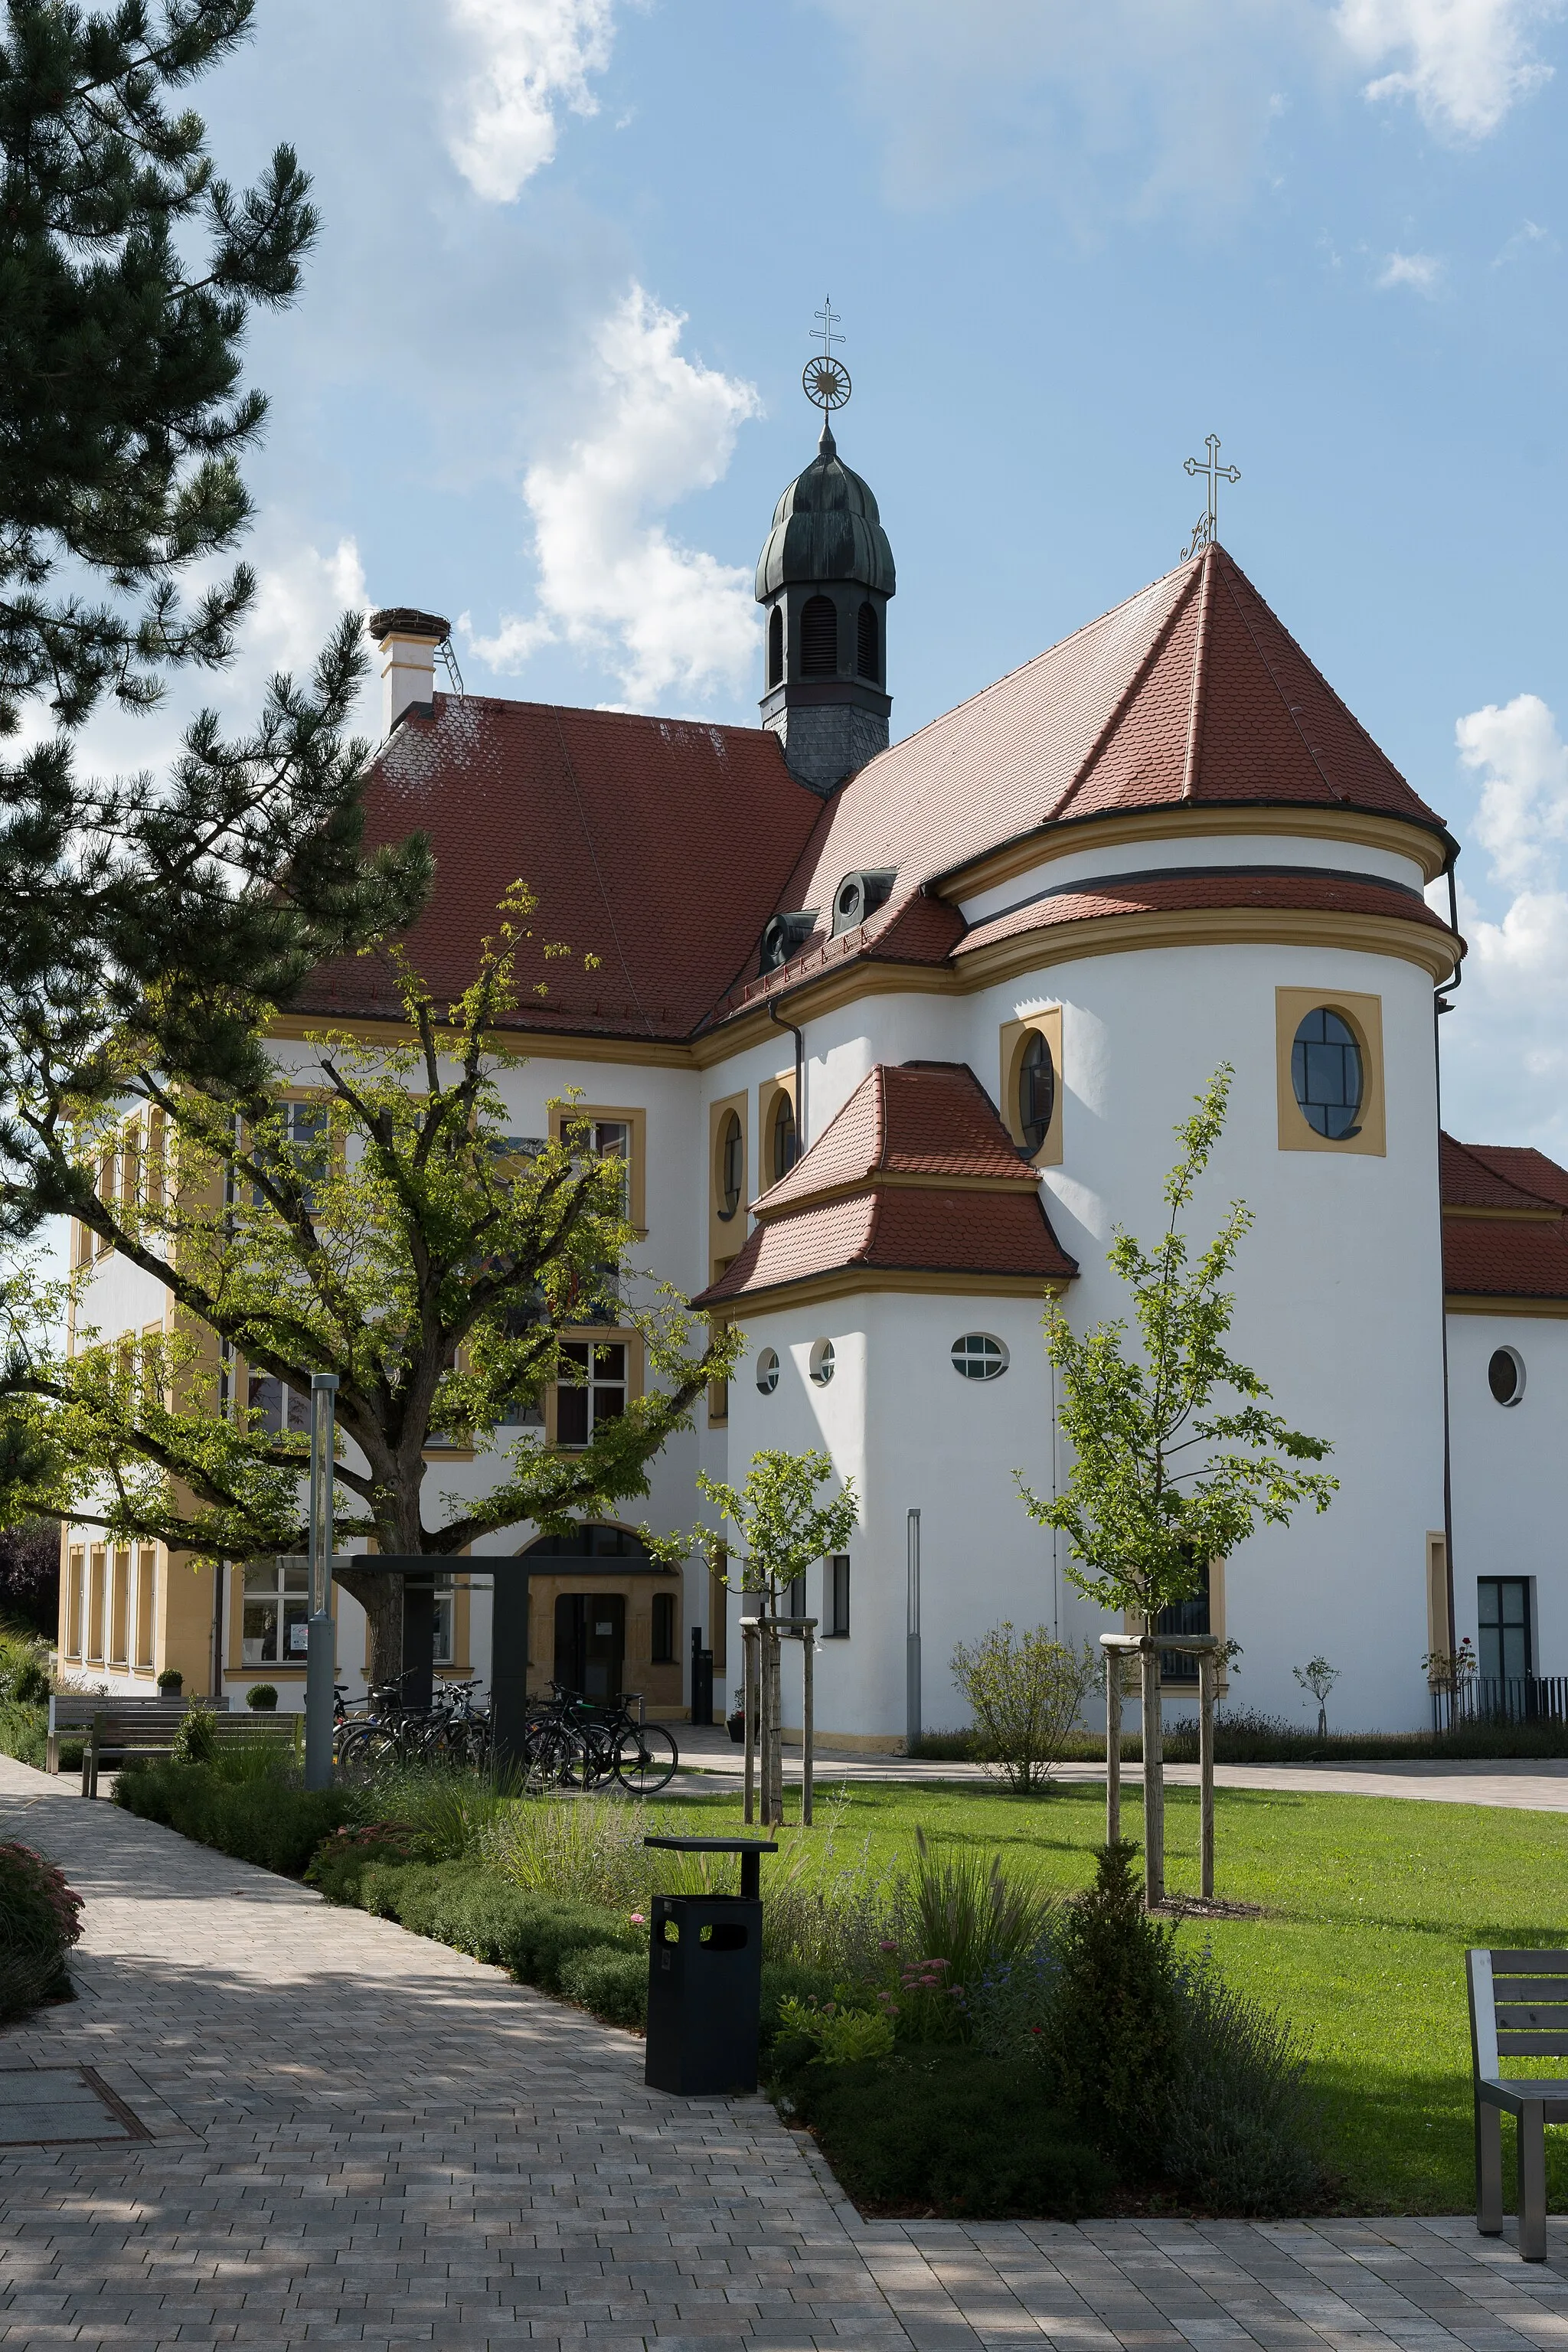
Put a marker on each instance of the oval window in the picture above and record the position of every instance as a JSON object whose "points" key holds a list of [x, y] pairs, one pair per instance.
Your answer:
{"points": [[1036, 1092], [783, 1137], [731, 1165], [978, 1357], [1326, 1072], [768, 1371], [1505, 1375], [821, 1362]]}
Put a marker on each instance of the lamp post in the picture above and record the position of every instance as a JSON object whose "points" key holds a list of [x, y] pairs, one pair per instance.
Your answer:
{"points": [[320, 1660], [912, 1638]]}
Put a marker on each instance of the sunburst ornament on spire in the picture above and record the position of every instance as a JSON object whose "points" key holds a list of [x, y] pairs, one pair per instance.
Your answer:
{"points": [[826, 380], [1206, 531]]}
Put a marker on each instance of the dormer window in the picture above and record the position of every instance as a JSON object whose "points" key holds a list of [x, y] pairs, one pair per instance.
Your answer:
{"points": [[784, 936]]}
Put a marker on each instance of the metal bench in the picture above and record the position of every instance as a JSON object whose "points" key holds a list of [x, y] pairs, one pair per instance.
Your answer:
{"points": [[117, 1733], [71, 1713], [1518, 2009]]}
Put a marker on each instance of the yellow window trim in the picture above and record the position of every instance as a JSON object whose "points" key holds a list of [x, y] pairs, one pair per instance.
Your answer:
{"points": [[1362, 1015], [564, 1116], [1015, 1039]]}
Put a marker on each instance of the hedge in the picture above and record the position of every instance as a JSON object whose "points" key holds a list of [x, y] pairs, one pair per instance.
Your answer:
{"points": [[261, 1821]]}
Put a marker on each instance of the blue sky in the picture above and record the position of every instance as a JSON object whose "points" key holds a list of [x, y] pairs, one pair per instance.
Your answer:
{"points": [[544, 376]]}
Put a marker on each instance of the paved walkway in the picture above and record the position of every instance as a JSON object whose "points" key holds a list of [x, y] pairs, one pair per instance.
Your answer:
{"points": [[1528, 1784], [357, 2136]]}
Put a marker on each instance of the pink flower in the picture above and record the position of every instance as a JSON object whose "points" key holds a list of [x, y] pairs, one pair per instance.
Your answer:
{"points": [[639, 1919], [887, 1948]]}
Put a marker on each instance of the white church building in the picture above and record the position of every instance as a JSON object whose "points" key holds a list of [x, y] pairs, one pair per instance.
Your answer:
{"points": [[894, 1036]]}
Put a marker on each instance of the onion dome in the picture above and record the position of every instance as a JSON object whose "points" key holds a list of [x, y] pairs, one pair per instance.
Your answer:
{"points": [[826, 527]]}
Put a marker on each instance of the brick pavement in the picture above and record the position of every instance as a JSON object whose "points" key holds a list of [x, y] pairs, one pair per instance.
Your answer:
{"points": [[362, 2137]]}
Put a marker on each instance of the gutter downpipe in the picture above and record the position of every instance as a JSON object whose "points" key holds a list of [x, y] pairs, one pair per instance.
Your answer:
{"points": [[1441, 1004], [799, 1035]]}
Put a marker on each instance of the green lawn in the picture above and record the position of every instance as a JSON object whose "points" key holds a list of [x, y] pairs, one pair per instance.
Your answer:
{"points": [[1370, 1903]]}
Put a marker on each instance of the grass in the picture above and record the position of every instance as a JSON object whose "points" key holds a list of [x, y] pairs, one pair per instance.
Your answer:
{"points": [[1370, 1903]]}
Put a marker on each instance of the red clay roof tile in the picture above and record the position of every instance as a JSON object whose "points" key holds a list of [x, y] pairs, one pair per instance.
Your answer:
{"points": [[898, 1232], [1493, 1257], [907, 1119], [1177, 893]]}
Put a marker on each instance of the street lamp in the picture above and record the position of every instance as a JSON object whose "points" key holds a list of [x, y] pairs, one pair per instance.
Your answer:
{"points": [[319, 1658]]}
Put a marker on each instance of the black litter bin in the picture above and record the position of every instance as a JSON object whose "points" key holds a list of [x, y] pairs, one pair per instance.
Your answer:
{"points": [[702, 1679], [705, 1980]]}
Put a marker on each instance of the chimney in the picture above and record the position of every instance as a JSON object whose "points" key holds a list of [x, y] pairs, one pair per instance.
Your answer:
{"points": [[409, 641]]}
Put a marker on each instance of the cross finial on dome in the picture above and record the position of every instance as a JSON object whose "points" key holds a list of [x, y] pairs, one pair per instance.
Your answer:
{"points": [[826, 380], [1206, 531]]}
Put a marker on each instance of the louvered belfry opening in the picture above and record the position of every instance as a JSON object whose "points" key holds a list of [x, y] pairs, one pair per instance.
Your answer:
{"points": [[819, 638], [775, 647], [865, 649]]}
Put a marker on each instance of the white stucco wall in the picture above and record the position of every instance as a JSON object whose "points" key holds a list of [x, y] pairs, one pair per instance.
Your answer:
{"points": [[1511, 1473]]}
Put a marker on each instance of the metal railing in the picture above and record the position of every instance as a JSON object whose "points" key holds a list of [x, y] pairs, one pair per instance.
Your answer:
{"points": [[1522, 1699]]}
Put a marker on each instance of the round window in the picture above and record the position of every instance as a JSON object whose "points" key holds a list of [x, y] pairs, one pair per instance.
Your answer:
{"points": [[1505, 1375], [731, 1165], [821, 1362], [1326, 1072], [768, 1371], [1036, 1092], [978, 1357], [783, 1137]]}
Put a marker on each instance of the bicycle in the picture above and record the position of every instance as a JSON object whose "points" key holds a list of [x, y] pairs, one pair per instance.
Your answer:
{"points": [[607, 1742]]}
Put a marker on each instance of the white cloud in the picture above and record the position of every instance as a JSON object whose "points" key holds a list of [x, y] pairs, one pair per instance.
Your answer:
{"points": [[1423, 272], [1464, 62], [527, 60], [1523, 764], [612, 580]]}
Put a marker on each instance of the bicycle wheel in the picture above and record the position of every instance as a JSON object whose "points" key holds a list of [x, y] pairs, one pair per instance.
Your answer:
{"points": [[363, 1751], [647, 1758]]}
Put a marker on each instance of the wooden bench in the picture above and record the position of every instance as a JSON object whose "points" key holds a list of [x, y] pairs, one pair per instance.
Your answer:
{"points": [[1518, 2009], [117, 1733], [71, 1713]]}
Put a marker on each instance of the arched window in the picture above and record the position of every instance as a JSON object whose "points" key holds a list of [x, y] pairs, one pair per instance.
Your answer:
{"points": [[731, 1165], [1036, 1092], [775, 647], [866, 645], [782, 1154], [1326, 1072], [819, 638]]}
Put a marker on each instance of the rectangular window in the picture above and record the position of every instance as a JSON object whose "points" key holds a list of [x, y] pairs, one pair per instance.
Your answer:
{"points": [[275, 1622], [598, 1393], [663, 1629], [796, 1597], [610, 1132], [75, 1565], [446, 1605], [120, 1611], [92, 1646], [838, 1595], [1502, 1613], [146, 1601], [1183, 1617], [282, 1408]]}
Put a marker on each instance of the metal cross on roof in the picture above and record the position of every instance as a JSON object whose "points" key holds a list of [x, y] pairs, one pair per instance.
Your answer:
{"points": [[1206, 531], [826, 380]]}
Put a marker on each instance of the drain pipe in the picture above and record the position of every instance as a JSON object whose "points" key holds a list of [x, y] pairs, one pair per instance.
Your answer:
{"points": [[799, 1035], [1441, 1004]]}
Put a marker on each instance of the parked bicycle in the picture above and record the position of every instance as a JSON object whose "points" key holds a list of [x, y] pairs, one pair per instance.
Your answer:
{"points": [[572, 1741]]}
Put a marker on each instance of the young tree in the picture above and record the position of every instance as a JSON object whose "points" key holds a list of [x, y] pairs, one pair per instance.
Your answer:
{"points": [[1025, 1692], [1162, 1483], [781, 1531], [1319, 1677], [387, 1232]]}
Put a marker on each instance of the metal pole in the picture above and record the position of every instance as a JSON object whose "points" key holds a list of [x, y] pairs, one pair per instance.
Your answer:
{"points": [[808, 1724], [319, 1661], [912, 1640], [748, 1652], [1207, 1664]]}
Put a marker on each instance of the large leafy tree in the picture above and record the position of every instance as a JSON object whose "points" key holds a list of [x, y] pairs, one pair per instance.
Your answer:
{"points": [[387, 1230], [1165, 1479]]}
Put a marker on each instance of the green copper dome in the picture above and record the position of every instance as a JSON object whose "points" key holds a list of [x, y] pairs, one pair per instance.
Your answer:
{"points": [[826, 528]]}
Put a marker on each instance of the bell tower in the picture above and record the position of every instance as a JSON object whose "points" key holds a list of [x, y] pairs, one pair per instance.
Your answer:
{"points": [[825, 578]]}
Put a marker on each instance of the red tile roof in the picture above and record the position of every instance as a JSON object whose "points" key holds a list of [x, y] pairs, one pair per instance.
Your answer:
{"points": [[1505, 1235], [906, 1119], [1191, 692], [661, 845], [938, 1188], [1207, 887]]}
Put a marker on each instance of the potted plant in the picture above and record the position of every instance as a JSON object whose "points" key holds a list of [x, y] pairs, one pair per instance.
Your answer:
{"points": [[736, 1718], [261, 1699], [170, 1682]]}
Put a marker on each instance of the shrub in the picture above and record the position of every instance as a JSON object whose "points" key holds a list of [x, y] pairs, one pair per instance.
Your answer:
{"points": [[960, 1907], [950, 2131], [591, 1846], [835, 2034], [170, 1681], [1242, 2130], [611, 1982], [1026, 1692], [341, 1861], [265, 1817], [261, 1698], [195, 1737], [39, 1922], [24, 1734], [1115, 2020]]}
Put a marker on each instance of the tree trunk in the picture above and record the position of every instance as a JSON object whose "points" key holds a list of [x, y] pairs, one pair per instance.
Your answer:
{"points": [[1154, 1778], [381, 1598]]}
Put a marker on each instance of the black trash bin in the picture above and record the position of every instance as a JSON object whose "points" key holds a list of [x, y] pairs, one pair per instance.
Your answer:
{"points": [[705, 1980], [702, 1679]]}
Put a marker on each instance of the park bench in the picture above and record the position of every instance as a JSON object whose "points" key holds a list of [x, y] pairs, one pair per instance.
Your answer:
{"points": [[1518, 2009], [116, 1733], [71, 1713]]}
